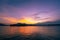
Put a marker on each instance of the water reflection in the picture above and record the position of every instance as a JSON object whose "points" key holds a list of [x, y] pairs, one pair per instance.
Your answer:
{"points": [[30, 31]]}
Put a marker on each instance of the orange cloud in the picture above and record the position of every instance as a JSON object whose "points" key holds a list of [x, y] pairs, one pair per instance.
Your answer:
{"points": [[27, 20], [10, 19]]}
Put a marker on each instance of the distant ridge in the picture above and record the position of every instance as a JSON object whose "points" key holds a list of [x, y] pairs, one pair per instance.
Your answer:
{"points": [[37, 24], [2, 24]]}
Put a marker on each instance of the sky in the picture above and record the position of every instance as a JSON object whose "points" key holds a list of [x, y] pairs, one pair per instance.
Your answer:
{"points": [[29, 11]]}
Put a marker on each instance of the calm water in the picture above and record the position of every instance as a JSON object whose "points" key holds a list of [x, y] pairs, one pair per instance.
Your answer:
{"points": [[30, 33]]}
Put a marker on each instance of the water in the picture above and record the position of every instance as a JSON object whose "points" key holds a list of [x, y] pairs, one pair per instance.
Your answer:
{"points": [[30, 33]]}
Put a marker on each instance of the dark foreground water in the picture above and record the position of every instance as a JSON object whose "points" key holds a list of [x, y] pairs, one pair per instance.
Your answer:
{"points": [[30, 33]]}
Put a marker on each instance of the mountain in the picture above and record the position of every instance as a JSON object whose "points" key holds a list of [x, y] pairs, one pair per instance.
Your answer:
{"points": [[2, 24], [18, 24], [53, 23]]}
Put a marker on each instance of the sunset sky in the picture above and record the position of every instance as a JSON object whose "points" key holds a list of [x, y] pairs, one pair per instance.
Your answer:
{"points": [[29, 11]]}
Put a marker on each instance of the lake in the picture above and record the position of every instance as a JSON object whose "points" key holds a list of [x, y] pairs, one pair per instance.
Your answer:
{"points": [[30, 33]]}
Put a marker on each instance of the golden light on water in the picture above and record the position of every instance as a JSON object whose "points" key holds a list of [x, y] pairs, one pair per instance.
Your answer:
{"points": [[33, 30], [28, 30]]}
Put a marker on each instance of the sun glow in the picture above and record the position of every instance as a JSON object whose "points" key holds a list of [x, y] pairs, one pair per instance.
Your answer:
{"points": [[27, 20]]}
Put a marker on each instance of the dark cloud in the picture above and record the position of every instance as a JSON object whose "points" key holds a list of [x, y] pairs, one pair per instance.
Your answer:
{"points": [[53, 22]]}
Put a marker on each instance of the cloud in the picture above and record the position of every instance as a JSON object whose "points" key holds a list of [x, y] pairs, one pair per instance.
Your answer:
{"points": [[53, 22], [8, 19]]}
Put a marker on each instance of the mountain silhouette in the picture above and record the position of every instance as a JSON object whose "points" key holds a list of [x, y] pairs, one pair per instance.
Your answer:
{"points": [[2, 24]]}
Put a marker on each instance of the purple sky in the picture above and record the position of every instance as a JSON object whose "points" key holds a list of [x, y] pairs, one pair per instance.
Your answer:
{"points": [[39, 10]]}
